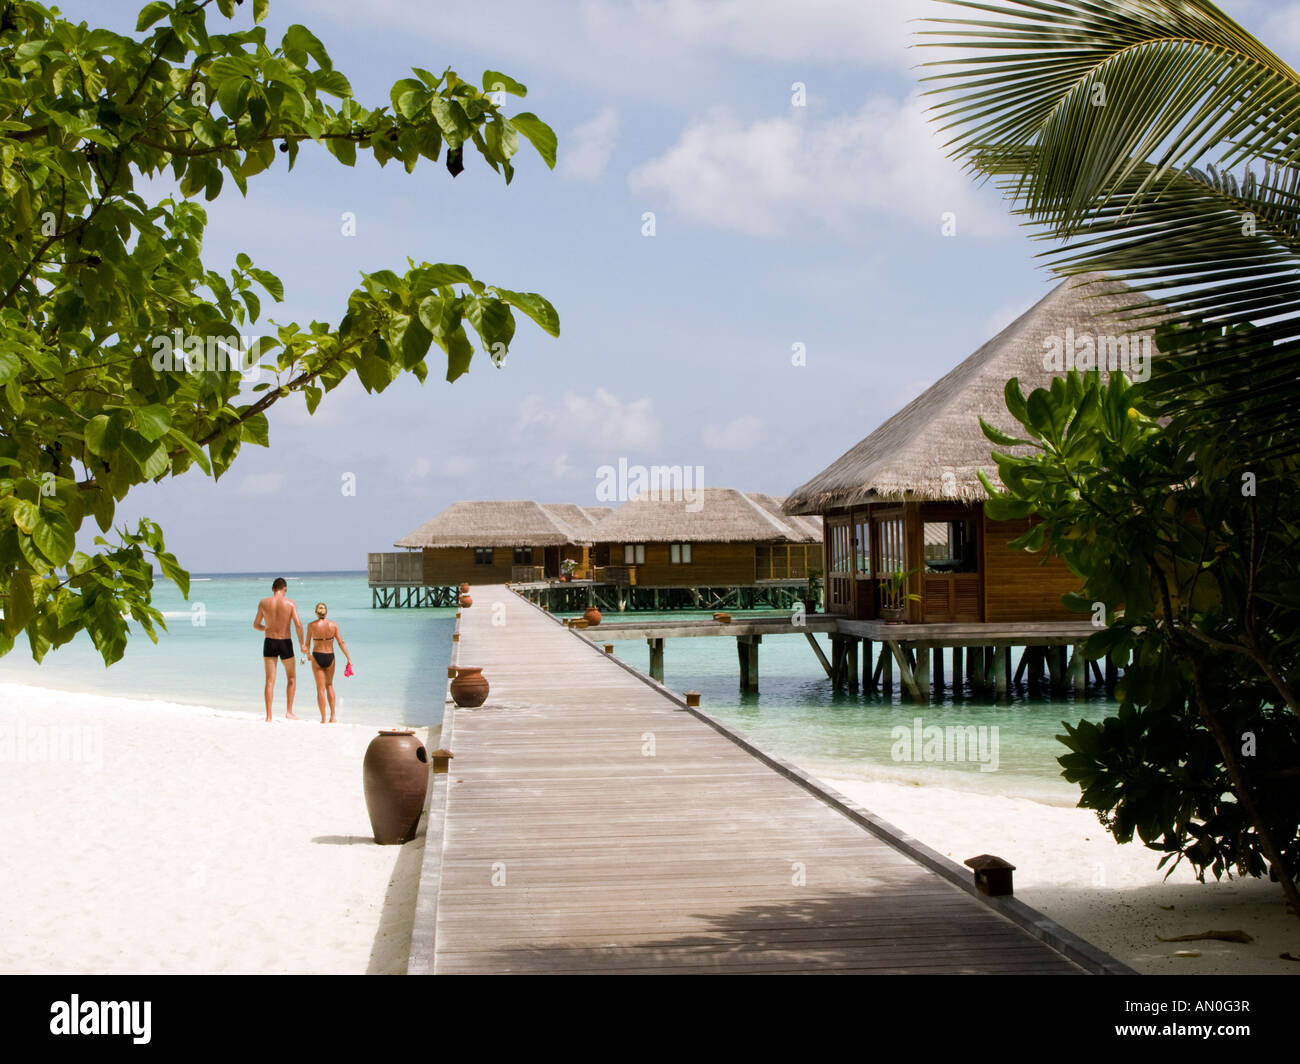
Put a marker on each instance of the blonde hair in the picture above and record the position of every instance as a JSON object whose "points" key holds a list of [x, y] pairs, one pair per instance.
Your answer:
{"points": [[321, 609]]}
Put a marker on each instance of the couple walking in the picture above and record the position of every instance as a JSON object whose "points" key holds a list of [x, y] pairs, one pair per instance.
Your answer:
{"points": [[274, 615]]}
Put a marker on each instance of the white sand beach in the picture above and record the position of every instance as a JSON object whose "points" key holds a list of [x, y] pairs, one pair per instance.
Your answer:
{"points": [[166, 838]]}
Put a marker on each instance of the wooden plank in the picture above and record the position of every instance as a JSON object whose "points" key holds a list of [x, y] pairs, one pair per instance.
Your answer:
{"points": [[593, 826]]}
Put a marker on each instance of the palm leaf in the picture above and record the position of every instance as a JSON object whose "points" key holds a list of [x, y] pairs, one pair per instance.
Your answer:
{"points": [[1114, 127]]}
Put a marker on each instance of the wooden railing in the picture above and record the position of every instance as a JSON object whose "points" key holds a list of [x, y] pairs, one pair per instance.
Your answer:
{"points": [[395, 568]]}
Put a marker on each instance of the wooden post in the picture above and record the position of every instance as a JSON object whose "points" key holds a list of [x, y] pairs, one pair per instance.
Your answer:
{"points": [[656, 659], [972, 655], [747, 651], [921, 672], [1002, 672], [936, 676], [956, 668], [868, 677], [887, 663], [1112, 675], [1077, 675], [851, 662]]}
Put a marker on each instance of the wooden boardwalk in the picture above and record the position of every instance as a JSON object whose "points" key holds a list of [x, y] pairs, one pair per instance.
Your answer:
{"points": [[590, 824]]}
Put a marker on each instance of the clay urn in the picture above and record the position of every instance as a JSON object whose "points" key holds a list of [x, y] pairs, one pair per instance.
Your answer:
{"points": [[396, 775], [466, 602], [464, 588], [592, 616], [470, 687]]}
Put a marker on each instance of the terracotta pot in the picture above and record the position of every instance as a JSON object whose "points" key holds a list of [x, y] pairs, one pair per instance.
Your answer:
{"points": [[592, 616], [396, 776], [464, 588], [470, 687], [466, 602]]}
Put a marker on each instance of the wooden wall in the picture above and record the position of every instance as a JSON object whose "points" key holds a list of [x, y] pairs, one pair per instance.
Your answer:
{"points": [[711, 565], [448, 566], [1017, 585]]}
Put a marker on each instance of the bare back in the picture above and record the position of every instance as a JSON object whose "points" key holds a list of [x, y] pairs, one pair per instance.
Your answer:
{"points": [[323, 633], [278, 611]]}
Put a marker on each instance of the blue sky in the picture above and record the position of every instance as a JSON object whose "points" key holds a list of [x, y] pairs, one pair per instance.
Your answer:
{"points": [[775, 225]]}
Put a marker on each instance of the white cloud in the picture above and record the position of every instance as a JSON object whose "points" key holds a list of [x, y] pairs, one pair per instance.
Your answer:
{"points": [[780, 175], [560, 468], [601, 416], [743, 434], [588, 147], [259, 485]]}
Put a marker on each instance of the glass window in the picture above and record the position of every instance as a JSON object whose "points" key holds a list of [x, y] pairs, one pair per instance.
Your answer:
{"points": [[482, 555], [634, 554], [523, 555], [950, 547], [680, 554]]}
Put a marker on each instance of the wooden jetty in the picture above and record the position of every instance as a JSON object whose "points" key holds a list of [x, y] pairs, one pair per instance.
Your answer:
{"points": [[592, 823], [980, 653]]}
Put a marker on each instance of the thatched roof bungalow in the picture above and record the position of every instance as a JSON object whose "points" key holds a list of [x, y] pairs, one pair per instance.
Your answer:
{"points": [[484, 541], [710, 538], [908, 499]]}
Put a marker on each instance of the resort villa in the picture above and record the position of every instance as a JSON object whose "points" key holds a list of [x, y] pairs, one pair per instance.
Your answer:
{"points": [[907, 538]]}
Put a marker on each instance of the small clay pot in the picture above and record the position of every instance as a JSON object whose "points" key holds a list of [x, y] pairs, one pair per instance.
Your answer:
{"points": [[466, 602], [592, 616], [470, 687], [396, 776], [464, 588]]}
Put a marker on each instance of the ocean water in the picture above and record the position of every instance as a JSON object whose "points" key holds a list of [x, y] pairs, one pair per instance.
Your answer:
{"points": [[400, 656], [796, 715]]}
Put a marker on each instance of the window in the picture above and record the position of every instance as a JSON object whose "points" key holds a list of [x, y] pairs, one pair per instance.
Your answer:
{"points": [[680, 554], [634, 554], [862, 545], [523, 555], [482, 555], [950, 547]]}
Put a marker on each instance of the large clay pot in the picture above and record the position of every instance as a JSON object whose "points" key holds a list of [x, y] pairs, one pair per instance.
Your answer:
{"points": [[592, 616], [470, 687], [396, 776], [464, 588], [466, 601]]}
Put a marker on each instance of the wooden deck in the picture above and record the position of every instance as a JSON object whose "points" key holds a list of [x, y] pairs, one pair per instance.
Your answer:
{"points": [[591, 824]]}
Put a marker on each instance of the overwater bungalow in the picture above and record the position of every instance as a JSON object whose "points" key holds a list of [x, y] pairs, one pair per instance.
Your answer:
{"points": [[906, 535], [493, 542], [714, 537]]}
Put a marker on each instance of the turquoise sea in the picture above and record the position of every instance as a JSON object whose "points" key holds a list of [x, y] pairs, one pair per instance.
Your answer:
{"points": [[401, 657]]}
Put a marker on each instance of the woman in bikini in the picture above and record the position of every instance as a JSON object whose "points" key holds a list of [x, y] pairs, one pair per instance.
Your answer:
{"points": [[321, 634]]}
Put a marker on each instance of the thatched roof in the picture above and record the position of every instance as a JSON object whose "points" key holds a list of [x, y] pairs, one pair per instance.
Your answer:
{"points": [[503, 524], [933, 448], [715, 515]]}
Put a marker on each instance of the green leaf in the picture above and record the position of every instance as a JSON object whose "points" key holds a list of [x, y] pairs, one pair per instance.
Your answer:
{"points": [[54, 537], [151, 13], [495, 81], [103, 435], [539, 134], [299, 42], [535, 306], [332, 82], [1001, 438], [153, 422], [26, 515], [256, 430], [344, 150], [173, 572]]}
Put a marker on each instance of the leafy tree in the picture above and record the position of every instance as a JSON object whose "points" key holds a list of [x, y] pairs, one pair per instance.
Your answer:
{"points": [[1188, 560], [114, 363]]}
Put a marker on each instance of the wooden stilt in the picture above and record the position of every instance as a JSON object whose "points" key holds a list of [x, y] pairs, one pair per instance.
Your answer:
{"points": [[1078, 677], [821, 657], [747, 651], [936, 676], [956, 669], [868, 677], [1002, 669], [922, 673], [1112, 675], [656, 659], [851, 663]]}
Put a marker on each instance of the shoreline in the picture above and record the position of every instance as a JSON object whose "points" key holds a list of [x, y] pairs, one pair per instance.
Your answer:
{"points": [[218, 848]]}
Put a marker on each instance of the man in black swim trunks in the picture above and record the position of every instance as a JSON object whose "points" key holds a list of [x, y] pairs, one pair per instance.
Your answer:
{"points": [[274, 615]]}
